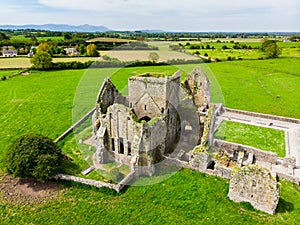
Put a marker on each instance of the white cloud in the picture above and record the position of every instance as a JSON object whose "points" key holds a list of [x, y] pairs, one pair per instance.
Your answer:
{"points": [[192, 15], [154, 6]]}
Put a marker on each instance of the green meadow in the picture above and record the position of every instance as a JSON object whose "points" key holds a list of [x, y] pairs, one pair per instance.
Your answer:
{"points": [[49, 102], [289, 49], [188, 197]]}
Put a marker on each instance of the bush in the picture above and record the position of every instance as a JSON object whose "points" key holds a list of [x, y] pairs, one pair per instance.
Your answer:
{"points": [[33, 155], [42, 61]]}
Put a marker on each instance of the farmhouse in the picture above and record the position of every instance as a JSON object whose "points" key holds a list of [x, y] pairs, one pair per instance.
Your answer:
{"points": [[71, 51], [160, 116], [9, 53]]}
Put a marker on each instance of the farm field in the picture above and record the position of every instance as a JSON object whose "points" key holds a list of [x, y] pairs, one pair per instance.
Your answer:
{"points": [[291, 49], [24, 62], [22, 38], [43, 102], [164, 53], [266, 86], [104, 39], [259, 137], [16, 62]]}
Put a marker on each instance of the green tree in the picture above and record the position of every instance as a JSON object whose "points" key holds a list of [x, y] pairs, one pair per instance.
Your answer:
{"points": [[3, 36], [33, 40], [153, 56], [91, 50], [67, 36], [43, 47], [271, 49], [33, 155], [82, 49], [42, 60]]}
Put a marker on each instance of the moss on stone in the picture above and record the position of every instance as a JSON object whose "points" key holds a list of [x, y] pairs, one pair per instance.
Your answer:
{"points": [[153, 121]]}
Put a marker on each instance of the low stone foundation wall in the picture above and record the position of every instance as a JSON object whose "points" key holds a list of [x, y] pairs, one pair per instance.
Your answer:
{"points": [[283, 167], [81, 180], [219, 171], [98, 184], [61, 137], [265, 116], [260, 155], [125, 181]]}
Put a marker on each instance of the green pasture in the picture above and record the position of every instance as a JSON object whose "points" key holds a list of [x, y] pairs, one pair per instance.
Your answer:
{"points": [[188, 197], [289, 49], [266, 86], [22, 38], [259, 137], [44, 102]]}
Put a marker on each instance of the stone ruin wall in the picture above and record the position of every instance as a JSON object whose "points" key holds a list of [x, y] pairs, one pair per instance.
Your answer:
{"points": [[121, 129], [147, 96], [256, 185], [246, 155]]}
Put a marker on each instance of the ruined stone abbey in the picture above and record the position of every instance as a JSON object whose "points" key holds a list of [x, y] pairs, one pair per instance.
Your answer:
{"points": [[160, 116], [164, 119]]}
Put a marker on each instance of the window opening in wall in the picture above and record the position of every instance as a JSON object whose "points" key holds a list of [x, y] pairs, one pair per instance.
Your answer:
{"points": [[145, 107], [129, 148], [121, 146], [113, 144], [162, 110]]}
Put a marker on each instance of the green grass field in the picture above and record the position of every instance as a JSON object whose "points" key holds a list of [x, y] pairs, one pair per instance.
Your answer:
{"points": [[43, 102], [266, 86], [22, 38], [259, 137], [188, 197], [288, 50], [104, 39], [24, 62]]}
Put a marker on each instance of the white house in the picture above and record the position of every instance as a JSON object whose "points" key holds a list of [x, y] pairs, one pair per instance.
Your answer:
{"points": [[9, 53], [71, 51]]}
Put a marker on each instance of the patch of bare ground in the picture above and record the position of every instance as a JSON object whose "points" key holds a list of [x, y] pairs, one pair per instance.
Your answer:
{"points": [[27, 190]]}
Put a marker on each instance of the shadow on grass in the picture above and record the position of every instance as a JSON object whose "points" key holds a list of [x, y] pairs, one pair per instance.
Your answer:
{"points": [[284, 206], [69, 167]]}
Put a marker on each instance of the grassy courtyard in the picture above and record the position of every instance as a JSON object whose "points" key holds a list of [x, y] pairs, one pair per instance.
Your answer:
{"points": [[259, 137]]}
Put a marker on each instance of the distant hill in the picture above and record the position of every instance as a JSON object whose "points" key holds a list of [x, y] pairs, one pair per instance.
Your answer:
{"points": [[57, 27], [152, 31]]}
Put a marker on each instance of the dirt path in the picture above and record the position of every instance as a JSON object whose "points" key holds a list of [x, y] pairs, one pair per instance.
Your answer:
{"points": [[27, 190]]}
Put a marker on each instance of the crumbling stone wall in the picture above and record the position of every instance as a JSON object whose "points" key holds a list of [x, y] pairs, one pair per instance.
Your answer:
{"points": [[257, 186], [141, 130], [198, 86], [108, 95]]}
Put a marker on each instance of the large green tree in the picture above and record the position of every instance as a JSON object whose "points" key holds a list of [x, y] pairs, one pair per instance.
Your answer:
{"points": [[42, 60], [271, 49], [33, 155]]}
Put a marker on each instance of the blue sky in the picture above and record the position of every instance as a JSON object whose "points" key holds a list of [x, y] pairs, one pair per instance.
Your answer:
{"points": [[186, 15]]}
